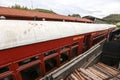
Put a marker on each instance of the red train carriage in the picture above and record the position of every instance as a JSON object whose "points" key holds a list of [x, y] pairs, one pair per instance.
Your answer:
{"points": [[31, 49]]}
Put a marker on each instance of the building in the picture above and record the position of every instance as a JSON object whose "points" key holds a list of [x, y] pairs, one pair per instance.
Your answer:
{"points": [[95, 19], [18, 14]]}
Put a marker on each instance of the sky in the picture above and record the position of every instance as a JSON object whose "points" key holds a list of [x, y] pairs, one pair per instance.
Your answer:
{"points": [[97, 8]]}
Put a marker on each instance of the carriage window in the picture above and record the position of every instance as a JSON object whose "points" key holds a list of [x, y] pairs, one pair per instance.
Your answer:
{"points": [[98, 39], [66, 47], [74, 51], [64, 57], [28, 60], [50, 64], [75, 44], [64, 54], [51, 52], [8, 78], [31, 73], [4, 69], [86, 40]]}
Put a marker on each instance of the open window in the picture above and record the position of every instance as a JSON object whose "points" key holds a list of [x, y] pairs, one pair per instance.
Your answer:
{"points": [[50, 64], [86, 42], [6, 74], [64, 54], [31, 73], [98, 38], [4, 69], [50, 60], [28, 60], [74, 51], [50, 53], [30, 68]]}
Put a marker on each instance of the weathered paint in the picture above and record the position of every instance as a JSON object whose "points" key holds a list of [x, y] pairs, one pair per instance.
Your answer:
{"points": [[15, 33]]}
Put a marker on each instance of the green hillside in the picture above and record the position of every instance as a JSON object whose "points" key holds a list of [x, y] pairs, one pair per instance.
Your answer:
{"points": [[44, 10], [112, 18], [16, 6]]}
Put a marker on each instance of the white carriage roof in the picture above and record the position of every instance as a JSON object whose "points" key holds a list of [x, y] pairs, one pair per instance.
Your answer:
{"points": [[15, 33]]}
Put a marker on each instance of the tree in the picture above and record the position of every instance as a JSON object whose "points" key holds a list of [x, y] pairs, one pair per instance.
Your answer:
{"points": [[16, 6], [75, 15], [44, 10]]}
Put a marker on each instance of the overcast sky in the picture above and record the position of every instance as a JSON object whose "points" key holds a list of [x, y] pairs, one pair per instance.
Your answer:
{"points": [[97, 8]]}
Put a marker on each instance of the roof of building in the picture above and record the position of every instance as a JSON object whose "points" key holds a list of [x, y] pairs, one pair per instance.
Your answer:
{"points": [[96, 19], [11, 12], [92, 18], [15, 33]]}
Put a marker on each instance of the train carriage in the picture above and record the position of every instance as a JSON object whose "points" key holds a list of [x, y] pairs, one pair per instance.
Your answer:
{"points": [[31, 49]]}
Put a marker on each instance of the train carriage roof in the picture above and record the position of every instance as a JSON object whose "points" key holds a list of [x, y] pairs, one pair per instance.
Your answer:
{"points": [[15, 33]]}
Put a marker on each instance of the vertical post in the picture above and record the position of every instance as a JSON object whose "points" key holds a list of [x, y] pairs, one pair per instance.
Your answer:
{"points": [[42, 64], [14, 67], [70, 52], [91, 40], [80, 46], [58, 57]]}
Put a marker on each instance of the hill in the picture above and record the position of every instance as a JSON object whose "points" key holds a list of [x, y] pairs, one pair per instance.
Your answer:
{"points": [[112, 18], [44, 10]]}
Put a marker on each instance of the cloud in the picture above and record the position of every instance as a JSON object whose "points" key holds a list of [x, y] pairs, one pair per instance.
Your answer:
{"points": [[98, 8]]}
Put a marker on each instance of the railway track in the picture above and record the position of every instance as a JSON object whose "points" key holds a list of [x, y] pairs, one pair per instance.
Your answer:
{"points": [[98, 71]]}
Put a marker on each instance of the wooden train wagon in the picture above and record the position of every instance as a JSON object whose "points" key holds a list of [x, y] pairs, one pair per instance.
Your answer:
{"points": [[31, 49]]}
